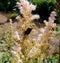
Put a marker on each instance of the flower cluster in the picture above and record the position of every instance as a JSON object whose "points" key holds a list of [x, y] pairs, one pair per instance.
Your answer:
{"points": [[52, 16], [37, 43], [42, 40], [26, 9]]}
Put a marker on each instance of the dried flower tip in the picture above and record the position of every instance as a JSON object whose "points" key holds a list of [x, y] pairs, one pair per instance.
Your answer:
{"points": [[35, 17], [33, 7], [53, 13], [42, 30], [16, 35]]}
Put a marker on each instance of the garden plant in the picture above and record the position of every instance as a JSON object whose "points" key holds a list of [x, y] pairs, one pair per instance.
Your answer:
{"points": [[29, 43]]}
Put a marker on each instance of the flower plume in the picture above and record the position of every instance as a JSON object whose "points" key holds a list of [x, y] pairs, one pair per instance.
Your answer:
{"points": [[26, 8]]}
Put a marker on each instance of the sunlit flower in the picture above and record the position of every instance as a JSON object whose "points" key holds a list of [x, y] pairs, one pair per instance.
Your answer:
{"points": [[17, 17], [34, 17], [42, 30], [16, 35], [26, 7], [32, 7], [53, 13], [52, 16]]}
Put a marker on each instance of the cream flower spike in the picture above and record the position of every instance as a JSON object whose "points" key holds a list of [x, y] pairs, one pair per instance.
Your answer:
{"points": [[25, 6], [52, 16]]}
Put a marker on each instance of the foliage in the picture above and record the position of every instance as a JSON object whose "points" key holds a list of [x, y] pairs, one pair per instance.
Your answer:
{"points": [[57, 5], [5, 50], [44, 8], [39, 1], [6, 58], [5, 47], [7, 5]]}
